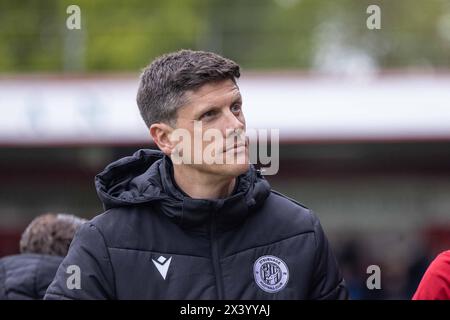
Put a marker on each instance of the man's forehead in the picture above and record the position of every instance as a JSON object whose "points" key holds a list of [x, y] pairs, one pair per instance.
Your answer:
{"points": [[214, 90]]}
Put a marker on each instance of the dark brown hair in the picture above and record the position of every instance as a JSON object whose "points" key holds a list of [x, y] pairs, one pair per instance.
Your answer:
{"points": [[50, 234], [164, 82]]}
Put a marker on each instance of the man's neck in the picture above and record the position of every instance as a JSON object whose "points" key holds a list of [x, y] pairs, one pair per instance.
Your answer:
{"points": [[200, 185]]}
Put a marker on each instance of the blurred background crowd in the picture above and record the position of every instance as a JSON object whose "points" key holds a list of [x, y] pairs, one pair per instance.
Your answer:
{"points": [[363, 115]]}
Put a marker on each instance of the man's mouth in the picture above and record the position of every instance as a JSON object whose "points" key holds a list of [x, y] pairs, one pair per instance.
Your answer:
{"points": [[236, 145]]}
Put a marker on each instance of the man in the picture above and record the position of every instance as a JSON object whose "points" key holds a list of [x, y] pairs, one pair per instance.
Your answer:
{"points": [[435, 284], [179, 228], [43, 245]]}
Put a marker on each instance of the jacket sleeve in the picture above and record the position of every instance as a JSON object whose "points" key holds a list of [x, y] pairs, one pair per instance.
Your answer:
{"points": [[327, 282], [86, 272]]}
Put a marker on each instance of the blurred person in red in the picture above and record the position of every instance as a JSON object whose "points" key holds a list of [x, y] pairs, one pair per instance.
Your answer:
{"points": [[43, 245], [435, 284]]}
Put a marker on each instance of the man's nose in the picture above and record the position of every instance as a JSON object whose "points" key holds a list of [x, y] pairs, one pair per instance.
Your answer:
{"points": [[234, 123]]}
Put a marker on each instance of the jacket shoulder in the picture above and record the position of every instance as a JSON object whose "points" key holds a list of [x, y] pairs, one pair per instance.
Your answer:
{"points": [[27, 276], [122, 227], [115, 218], [289, 201], [291, 211]]}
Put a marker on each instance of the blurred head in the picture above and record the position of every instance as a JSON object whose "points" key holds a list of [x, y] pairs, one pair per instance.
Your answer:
{"points": [[192, 105], [50, 234]]}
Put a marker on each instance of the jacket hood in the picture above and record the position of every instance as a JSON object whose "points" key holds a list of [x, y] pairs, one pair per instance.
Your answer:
{"points": [[147, 177]]}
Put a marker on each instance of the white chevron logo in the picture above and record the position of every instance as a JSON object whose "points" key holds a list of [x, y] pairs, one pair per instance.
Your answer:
{"points": [[162, 264]]}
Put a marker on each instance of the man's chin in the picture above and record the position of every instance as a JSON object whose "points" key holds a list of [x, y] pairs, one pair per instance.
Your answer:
{"points": [[230, 170], [235, 170]]}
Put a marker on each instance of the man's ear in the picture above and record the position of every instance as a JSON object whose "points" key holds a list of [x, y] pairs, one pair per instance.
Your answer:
{"points": [[160, 133]]}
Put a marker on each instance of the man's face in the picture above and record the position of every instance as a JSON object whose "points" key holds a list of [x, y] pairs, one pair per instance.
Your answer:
{"points": [[214, 119]]}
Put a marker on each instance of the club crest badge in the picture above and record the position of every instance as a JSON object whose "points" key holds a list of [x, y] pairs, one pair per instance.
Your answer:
{"points": [[271, 273]]}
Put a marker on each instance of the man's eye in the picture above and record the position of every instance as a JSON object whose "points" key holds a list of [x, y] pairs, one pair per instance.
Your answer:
{"points": [[236, 108], [208, 114]]}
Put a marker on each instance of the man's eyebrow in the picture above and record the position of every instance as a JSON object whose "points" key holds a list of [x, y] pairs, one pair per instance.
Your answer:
{"points": [[236, 98], [205, 109]]}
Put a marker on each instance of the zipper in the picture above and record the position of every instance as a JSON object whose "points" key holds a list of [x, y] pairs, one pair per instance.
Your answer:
{"points": [[216, 257]]}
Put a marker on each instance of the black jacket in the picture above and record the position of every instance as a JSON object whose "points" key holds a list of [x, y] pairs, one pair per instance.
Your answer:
{"points": [[155, 242], [26, 276]]}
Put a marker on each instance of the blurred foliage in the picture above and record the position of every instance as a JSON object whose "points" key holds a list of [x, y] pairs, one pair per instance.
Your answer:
{"points": [[259, 34]]}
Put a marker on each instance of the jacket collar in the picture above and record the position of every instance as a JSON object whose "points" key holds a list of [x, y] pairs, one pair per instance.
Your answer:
{"points": [[250, 190], [146, 178]]}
